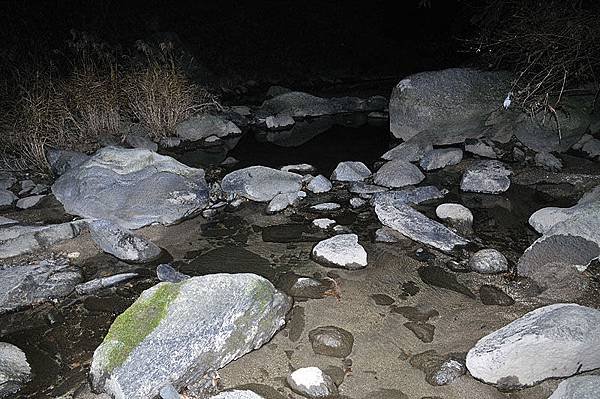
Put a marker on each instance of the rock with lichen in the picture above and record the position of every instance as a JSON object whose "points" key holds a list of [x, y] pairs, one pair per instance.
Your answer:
{"points": [[177, 333]]}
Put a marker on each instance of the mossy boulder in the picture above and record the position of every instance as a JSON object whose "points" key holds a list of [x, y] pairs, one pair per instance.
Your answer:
{"points": [[175, 333]]}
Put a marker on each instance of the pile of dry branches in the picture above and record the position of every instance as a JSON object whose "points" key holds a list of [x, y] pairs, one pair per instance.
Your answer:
{"points": [[552, 46]]}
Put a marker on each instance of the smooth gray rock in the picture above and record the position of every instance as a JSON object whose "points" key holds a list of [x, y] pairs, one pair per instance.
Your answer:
{"points": [[457, 215], [101, 283], [312, 383], [490, 177], [184, 330], [18, 240], [350, 171], [29, 202], [398, 173], [578, 387], [323, 223], [7, 198], [62, 160], [410, 150], [331, 341], [326, 207], [488, 261], [31, 284], [167, 273], [300, 168], [133, 188], [203, 126], [564, 333], [342, 250], [440, 158], [319, 184], [448, 100], [417, 226], [14, 370], [122, 243], [261, 184], [298, 105]]}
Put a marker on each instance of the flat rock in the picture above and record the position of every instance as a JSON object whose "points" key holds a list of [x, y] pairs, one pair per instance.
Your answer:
{"points": [[409, 195], [133, 188], [489, 176], [488, 261], [18, 240], [14, 370], [331, 341], [237, 394], [342, 250], [564, 333], [260, 183], [455, 99], [398, 173], [410, 150], [416, 226], [31, 284], [204, 126], [440, 158], [350, 171], [283, 201], [578, 387], [177, 332], [29, 202], [326, 207], [122, 243], [312, 383], [481, 148], [298, 105]]}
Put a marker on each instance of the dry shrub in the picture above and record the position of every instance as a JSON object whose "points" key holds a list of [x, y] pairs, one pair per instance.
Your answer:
{"points": [[552, 46]]}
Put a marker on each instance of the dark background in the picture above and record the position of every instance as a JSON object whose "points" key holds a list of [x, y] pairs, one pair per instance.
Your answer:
{"points": [[284, 40]]}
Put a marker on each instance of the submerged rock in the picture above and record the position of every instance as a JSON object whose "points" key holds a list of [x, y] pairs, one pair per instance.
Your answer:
{"points": [[175, 333], [350, 171], [398, 173], [260, 183], [488, 261], [331, 341], [440, 158], [31, 284], [122, 243], [341, 251], [14, 370], [312, 383], [448, 100], [411, 195], [578, 387], [417, 226], [133, 188], [490, 177], [29, 202], [563, 333], [326, 207]]}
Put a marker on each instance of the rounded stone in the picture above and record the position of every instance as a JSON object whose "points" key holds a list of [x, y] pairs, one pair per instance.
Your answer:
{"points": [[313, 383], [488, 261], [455, 214], [331, 341]]}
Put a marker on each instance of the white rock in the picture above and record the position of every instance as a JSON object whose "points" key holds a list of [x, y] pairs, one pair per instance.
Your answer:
{"points": [[323, 223], [455, 213], [350, 171], [259, 183], [14, 370], [398, 173], [548, 161], [326, 206], [440, 158], [319, 184], [578, 387], [282, 201], [488, 261], [279, 121], [237, 394], [341, 251], [29, 202], [356, 202], [553, 341], [312, 382]]}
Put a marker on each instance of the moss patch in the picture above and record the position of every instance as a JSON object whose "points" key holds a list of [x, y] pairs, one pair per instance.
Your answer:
{"points": [[137, 322]]}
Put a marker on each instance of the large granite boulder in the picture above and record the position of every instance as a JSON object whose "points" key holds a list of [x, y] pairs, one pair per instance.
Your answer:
{"points": [[176, 333], [452, 100], [18, 239], [133, 188], [260, 183], [31, 284], [552, 341]]}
